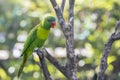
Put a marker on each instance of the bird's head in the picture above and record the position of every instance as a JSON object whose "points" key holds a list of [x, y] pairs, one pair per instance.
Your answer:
{"points": [[49, 22]]}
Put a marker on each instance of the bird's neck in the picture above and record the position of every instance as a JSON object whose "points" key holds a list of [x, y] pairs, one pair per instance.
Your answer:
{"points": [[44, 25]]}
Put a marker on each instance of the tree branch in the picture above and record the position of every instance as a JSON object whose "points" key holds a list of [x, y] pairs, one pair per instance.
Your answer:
{"points": [[117, 26], [59, 66], [60, 16], [43, 65], [63, 5], [71, 65], [103, 66], [71, 13]]}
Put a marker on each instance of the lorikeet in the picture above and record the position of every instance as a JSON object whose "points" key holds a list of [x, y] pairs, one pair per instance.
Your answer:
{"points": [[36, 38]]}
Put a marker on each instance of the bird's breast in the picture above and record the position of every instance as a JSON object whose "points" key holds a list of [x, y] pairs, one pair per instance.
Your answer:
{"points": [[42, 33]]}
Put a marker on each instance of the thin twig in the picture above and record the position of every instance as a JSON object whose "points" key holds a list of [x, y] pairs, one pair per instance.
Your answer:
{"points": [[60, 16], [103, 66], [71, 13], [63, 5], [43, 65], [117, 26], [59, 66]]}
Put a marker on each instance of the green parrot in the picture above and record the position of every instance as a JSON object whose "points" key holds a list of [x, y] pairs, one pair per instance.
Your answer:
{"points": [[36, 38]]}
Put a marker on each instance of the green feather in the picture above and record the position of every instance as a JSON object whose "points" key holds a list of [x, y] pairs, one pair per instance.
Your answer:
{"points": [[42, 33], [30, 39], [36, 38]]}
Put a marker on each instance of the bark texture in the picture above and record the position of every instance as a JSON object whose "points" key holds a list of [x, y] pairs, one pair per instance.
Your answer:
{"points": [[70, 68]]}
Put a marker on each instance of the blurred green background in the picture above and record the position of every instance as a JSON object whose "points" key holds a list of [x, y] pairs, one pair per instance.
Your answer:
{"points": [[94, 23]]}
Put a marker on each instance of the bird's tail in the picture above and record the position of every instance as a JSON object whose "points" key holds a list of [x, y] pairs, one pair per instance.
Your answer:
{"points": [[22, 66]]}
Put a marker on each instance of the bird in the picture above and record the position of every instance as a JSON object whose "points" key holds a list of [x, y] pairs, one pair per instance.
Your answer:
{"points": [[36, 38]]}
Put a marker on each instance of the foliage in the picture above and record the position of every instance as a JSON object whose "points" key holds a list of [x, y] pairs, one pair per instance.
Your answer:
{"points": [[94, 23]]}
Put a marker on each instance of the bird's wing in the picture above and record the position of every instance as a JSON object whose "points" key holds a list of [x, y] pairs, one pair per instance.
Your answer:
{"points": [[30, 39]]}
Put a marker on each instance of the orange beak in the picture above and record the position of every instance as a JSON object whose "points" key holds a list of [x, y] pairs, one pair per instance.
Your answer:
{"points": [[53, 24]]}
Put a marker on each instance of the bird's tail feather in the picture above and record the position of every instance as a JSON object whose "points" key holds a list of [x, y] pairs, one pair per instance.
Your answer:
{"points": [[22, 66]]}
